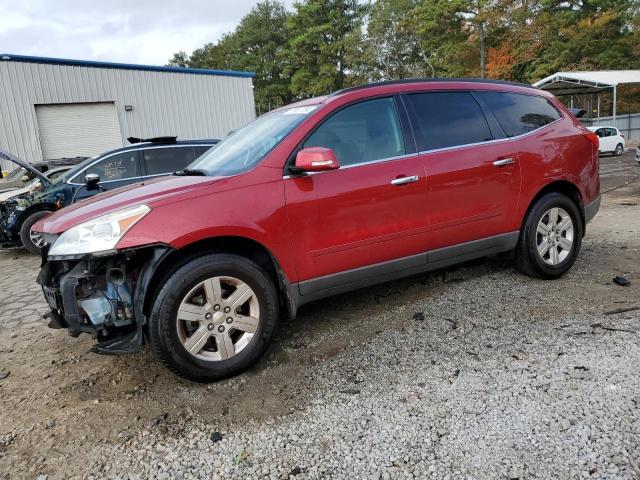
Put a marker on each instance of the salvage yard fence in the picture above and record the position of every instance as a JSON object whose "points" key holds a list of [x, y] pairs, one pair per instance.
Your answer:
{"points": [[628, 124]]}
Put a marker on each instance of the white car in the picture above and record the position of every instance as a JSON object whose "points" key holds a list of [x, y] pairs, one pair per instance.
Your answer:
{"points": [[638, 154], [611, 139]]}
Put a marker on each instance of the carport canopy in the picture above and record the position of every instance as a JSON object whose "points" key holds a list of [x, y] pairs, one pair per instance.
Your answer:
{"points": [[574, 83]]}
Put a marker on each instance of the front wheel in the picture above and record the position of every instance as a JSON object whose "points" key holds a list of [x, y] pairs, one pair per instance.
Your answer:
{"points": [[550, 238], [32, 241], [214, 317]]}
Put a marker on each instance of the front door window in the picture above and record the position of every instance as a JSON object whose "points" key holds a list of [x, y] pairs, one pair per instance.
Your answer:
{"points": [[362, 132]]}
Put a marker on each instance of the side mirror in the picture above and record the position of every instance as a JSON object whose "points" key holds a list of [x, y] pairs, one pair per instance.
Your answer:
{"points": [[316, 159], [91, 179]]}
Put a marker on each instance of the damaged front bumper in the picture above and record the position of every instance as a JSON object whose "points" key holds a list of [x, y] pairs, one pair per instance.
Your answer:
{"points": [[102, 295], [9, 237]]}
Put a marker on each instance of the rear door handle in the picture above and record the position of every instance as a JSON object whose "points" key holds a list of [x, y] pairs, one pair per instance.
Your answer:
{"points": [[403, 180], [503, 162]]}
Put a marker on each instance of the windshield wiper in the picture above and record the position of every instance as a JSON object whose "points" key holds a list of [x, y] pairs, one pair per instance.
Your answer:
{"points": [[191, 172]]}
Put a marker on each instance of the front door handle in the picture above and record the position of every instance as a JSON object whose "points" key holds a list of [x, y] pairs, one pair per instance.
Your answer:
{"points": [[503, 162], [403, 180]]}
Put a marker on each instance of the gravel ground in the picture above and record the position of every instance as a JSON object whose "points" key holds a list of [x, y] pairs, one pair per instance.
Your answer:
{"points": [[483, 387], [477, 372]]}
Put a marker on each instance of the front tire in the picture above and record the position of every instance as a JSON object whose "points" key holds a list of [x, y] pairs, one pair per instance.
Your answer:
{"points": [[550, 238], [31, 240], [214, 317]]}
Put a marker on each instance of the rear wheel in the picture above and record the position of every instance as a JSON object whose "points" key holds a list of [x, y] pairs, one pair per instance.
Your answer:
{"points": [[32, 241], [214, 317], [550, 238], [619, 149]]}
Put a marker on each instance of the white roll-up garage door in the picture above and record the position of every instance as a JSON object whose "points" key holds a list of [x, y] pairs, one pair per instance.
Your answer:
{"points": [[78, 129]]}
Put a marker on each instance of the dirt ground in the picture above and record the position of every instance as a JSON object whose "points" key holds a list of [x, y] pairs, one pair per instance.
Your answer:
{"points": [[60, 404]]}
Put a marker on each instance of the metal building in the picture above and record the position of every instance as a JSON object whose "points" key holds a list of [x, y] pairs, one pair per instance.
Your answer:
{"points": [[55, 108]]}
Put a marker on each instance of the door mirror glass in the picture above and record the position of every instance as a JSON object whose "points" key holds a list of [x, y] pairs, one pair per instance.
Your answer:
{"points": [[316, 159], [91, 179]]}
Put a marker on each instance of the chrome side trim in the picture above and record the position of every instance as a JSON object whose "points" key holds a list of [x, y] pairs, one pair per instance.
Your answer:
{"points": [[345, 167], [155, 147], [438, 150], [489, 142]]}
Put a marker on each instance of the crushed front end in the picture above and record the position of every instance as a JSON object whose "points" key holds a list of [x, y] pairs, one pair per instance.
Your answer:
{"points": [[102, 295], [9, 236]]}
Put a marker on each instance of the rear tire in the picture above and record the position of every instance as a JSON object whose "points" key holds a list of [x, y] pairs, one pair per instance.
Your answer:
{"points": [[619, 150], [545, 252], [31, 241], [199, 291]]}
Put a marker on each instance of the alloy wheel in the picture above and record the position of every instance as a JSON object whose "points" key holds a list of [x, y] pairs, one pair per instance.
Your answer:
{"points": [[36, 238], [554, 236], [218, 318]]}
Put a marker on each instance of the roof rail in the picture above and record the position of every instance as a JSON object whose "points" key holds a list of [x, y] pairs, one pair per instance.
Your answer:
{"points": [[429, 80], [152, 140]]}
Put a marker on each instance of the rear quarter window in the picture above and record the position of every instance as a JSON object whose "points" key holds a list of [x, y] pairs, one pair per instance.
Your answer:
{"points": [[518, 113]]}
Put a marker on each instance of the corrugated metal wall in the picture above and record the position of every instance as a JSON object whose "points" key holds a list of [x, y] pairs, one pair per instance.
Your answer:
{"points": [[164, 103]]}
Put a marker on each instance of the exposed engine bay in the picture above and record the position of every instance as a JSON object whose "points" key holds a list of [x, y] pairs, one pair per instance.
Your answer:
{"points": [[101, 295]]}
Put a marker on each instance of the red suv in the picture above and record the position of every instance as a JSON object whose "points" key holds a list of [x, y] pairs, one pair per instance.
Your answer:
{"points": [[317, 198]]}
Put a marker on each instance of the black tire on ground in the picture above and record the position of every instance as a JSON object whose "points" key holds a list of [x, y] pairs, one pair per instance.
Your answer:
{"points": [[528, 261], [163, 332], [619, 149], [25, 231]]}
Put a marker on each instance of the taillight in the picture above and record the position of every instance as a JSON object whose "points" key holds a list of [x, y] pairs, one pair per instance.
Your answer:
{"points": [[593, 138], [622, 134]]}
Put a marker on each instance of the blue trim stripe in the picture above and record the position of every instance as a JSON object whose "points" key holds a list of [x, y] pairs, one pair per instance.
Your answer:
{"points": [[7, 57]]}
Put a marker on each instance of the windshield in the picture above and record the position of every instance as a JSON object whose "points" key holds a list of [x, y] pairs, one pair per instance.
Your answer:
{"points": [[245, 148]]}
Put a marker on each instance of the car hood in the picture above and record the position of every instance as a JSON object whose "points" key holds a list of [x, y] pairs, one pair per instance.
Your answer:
{"points": [[15, 192], [149, 193], [7, 156]]}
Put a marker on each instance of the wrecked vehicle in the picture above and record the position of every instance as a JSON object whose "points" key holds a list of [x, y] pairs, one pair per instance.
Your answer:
{"points": [[20, 177], [35, 185], [142, 160], [318, 198]]}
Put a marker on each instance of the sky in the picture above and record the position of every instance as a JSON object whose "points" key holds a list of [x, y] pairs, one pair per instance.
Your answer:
{"points": [[131, 31]]}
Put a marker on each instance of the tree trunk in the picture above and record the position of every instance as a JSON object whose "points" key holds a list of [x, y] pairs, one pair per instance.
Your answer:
{"points": [[483, 51]]}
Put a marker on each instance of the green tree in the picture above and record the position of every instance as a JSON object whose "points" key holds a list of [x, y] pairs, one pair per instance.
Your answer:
{"points": [[260, 41], [323, 37], [392, 49], [439, 26], [179, 59], [255, 45], [553, 35]]}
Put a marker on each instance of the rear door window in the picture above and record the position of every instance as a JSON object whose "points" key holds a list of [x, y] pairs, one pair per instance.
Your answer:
{"points": [[519, 113], [611, 132], [362, 132], [447, 119], [120, 166], [165, 160]]}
